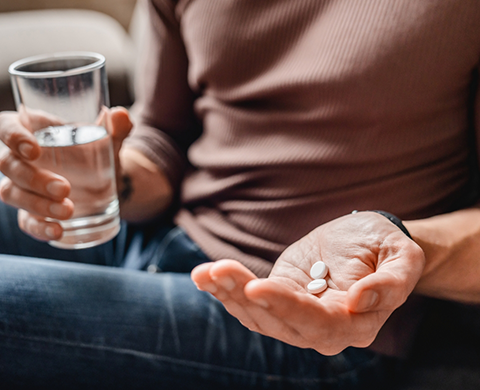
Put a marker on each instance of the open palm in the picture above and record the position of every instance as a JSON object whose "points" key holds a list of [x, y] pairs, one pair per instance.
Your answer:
{"points": [[373, 267]]}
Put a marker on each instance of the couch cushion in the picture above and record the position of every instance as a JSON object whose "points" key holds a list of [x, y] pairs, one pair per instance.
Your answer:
{"points": [[28, 33], [121, 10]]}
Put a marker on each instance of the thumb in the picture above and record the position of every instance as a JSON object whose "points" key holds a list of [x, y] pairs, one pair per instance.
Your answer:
{"points": [[398, 271], [119, 123], [382, 290]]}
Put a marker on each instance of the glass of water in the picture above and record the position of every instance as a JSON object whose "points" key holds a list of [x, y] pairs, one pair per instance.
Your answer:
{"points": [[70, 91]]}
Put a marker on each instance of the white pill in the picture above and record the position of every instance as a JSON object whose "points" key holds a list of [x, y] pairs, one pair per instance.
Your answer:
{"points": [[319, 270], [317, 286]]}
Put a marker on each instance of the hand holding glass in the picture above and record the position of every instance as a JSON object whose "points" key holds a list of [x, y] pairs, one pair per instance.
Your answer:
{"points": [[70, 91]]}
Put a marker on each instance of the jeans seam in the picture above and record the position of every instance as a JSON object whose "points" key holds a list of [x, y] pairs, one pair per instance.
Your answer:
{"points": [[166, 241]]}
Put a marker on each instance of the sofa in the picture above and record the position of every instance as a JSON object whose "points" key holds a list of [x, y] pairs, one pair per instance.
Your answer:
{"points": [[31, 27]]}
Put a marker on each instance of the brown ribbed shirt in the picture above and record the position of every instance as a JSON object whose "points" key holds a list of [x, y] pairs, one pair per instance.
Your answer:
{"points": [[273, 117]]}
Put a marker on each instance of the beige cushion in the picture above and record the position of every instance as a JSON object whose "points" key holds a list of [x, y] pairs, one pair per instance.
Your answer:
{"points": [[120, 10], [28, 33]]}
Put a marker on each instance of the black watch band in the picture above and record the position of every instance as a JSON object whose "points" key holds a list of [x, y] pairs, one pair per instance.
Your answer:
{"points": [[393, 219]]}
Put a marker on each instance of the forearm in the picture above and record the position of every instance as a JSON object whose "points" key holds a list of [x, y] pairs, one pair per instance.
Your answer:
{"points": [[145, 192], [451, 243]]}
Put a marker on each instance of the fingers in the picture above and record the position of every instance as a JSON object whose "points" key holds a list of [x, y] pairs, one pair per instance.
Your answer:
{"points": [[20, 198], [38, 191], [274, 308], [296, 309], [323, 323], [17, 137], [32, 179], [38, 227], [118, 120], [253, 301], [118, 125], [24, 177], [225, 280], [230, 277], [273, 295], [228, 280], [202, 279], [378, 291]]}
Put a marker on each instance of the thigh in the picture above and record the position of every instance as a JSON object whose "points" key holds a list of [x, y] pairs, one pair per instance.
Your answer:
{"points": [[156, 246], [159, 247], [84, 326], [14, 242]]}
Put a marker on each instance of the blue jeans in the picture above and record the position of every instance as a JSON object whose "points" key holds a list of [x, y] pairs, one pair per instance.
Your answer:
{"points": [[91, 319]]}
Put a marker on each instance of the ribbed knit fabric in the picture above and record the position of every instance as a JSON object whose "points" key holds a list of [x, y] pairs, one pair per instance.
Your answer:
{"points": [[292, 113]]}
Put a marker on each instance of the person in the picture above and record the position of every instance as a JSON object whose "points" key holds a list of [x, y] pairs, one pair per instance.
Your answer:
{"points": [[259, 128]]}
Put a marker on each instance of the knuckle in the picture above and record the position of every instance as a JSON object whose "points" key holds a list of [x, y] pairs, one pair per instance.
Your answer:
{"points": [[12, 138], [31, 226], [40, 207], [6, 188], [14, 165], [9, 163], [12, 130], [25, 173], [4, 158], [18, 170]]}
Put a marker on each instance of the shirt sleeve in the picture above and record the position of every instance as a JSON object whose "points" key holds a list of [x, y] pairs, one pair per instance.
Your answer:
{"points": [[164, 120]]}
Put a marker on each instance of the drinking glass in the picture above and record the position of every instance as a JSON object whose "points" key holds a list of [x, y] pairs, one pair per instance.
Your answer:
{"points": [[69, 92]]}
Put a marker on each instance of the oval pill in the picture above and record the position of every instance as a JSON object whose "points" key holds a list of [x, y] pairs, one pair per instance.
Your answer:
{"points": [[317, 286], [319, 270]]}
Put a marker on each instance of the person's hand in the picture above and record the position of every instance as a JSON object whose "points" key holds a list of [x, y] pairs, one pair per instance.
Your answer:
{"points": [[373, 267], [39, 193]]}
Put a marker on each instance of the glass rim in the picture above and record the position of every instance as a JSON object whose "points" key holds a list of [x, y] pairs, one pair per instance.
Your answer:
{"points": [[98, 62]]}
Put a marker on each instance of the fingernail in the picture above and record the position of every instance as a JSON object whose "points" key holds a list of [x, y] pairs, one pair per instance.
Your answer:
{"points": [[56, 188], [227, 283], [367, 300], [50, 232], [25, 149], [58, 209]]}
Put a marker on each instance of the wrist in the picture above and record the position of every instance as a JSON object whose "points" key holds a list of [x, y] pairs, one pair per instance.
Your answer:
{"points": [[451, 243], [393, 219], [144, 190]]}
